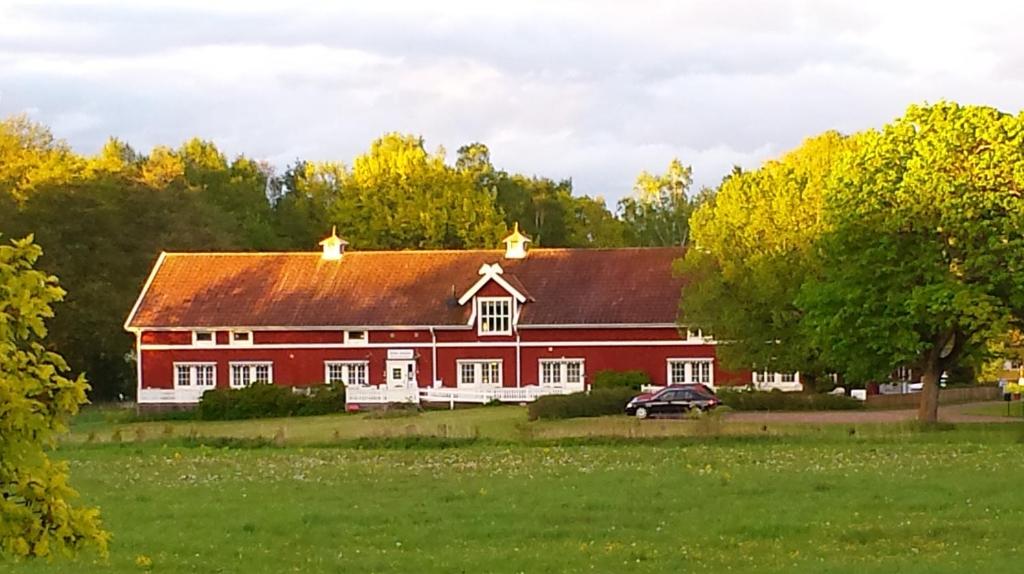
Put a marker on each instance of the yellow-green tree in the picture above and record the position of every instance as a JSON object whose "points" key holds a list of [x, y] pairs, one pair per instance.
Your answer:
{"points": [[30, 156], [751, 252], [923, 256], [38, 516], [658, 211]]}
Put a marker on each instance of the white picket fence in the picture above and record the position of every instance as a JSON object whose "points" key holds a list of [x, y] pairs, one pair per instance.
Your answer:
{"points": [[478, 395]]}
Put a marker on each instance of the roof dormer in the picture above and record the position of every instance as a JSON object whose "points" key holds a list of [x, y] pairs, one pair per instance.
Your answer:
{"points": [[515, 244], [334, 246]]}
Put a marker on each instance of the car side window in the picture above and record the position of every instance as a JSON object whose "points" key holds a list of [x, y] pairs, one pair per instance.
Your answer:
{"points": [[668, 396]]}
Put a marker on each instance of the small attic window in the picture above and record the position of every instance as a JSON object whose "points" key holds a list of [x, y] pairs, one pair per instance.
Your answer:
{"points": [[356, 337], [203, 338], [241, 337]]}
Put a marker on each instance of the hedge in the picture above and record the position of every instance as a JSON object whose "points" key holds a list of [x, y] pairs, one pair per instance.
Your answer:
{"points": [[596, 403], [621, 380], [777, 400], [268, 400]]}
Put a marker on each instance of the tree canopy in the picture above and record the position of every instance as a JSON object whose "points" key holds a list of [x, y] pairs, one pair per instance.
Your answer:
{"points": [[754, 243], [922, 260], [658, 211], [38, 516], [894, 247]]}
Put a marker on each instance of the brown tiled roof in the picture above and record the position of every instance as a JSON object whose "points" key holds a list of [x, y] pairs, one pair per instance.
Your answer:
{"points": [[405, 288]]}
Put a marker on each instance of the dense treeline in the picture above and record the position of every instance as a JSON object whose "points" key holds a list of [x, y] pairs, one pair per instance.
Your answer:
{"points": [[102, 220]]}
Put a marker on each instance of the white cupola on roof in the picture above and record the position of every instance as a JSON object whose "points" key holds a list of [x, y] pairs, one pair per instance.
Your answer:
{"points": [[334, 246], [515, 244]]}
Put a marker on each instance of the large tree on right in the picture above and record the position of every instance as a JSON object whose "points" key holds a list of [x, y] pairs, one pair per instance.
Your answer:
{"points": [[922, 262]]}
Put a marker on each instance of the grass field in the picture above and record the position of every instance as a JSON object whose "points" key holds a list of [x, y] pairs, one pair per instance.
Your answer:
{"points": [[1012, 409], [523, 498]]}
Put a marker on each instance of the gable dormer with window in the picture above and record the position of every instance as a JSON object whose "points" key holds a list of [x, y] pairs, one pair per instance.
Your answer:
{"points": [[495, 301]]}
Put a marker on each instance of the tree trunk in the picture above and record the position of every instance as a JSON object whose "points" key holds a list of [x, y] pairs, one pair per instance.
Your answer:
{"points": [[928, 410], [809, 381]]}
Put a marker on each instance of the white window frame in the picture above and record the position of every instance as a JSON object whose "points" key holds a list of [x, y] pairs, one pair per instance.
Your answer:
{"points": [[193, 374], [349, 340], [561, 371], [346, 368], [253, 368], [480, 303], [691, 375], [197, 343], [766, 379], [246, 342], [477, 367], [694, 334]]}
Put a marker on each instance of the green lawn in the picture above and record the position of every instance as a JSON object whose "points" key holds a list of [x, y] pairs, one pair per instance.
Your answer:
{"points": [[877, 499], [1000, 410]]}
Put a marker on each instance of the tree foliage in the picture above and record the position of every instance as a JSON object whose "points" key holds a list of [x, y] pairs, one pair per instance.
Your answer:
{"points": [[545, 209], [753, 246], [37, 514], [924, 253], [658, 212], [30, 157]]}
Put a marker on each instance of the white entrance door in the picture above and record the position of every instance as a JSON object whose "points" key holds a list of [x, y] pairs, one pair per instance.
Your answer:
{"points": [[401, 374]]}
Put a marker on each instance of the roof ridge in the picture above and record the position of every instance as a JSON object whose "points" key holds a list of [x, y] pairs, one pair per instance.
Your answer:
{"points": [[407, 251]]}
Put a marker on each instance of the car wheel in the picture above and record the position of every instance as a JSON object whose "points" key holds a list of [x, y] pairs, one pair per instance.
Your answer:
{"points": [[641, 412]]}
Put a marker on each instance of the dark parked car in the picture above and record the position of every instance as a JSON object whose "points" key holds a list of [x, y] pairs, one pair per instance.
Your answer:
{"points": [[675, 399]]}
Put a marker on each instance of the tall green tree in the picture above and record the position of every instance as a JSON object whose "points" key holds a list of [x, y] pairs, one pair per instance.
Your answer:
{"points": [[545, 209], [922, 260], [752, 251], [592, 225], [398, 195], [38, 515], [30, 156], [658, 211]]}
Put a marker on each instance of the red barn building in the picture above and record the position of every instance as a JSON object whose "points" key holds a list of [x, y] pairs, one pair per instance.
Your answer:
{"points": [[471, 325]]}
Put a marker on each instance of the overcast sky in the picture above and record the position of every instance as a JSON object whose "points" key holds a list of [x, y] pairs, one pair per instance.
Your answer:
{"points": [[592, 90]]}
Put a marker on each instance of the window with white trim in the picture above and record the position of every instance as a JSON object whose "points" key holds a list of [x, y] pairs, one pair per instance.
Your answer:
{"points": [[484, 372], [694, 335], [690, 371], [348, 373], [561, 372], [494, 315], [197, 375], [204, 338], [246, 374], [356, 337], [241, 338]]}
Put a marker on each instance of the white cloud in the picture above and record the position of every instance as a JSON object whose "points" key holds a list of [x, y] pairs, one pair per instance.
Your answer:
{"points": [[593, 90]]}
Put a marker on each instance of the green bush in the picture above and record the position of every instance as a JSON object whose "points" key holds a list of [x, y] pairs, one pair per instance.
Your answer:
{"points": [[777, 400], [621, 380], [268, 400], [593, 404]]}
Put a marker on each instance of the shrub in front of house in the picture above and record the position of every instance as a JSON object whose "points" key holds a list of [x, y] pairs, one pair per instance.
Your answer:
{"points": [[267, 400], [595, 403], [776, 400], [621, 380]]}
